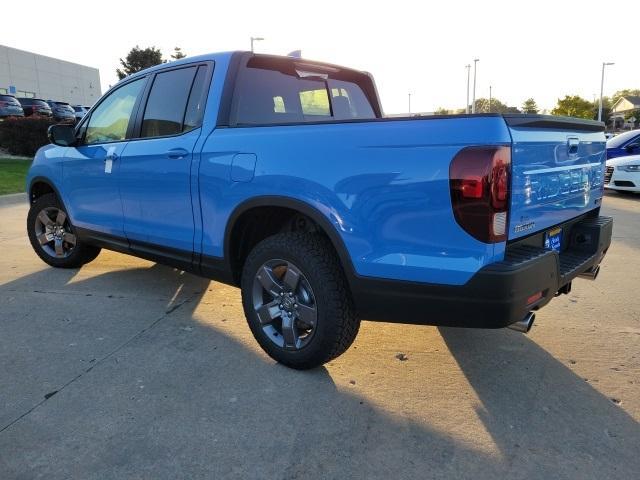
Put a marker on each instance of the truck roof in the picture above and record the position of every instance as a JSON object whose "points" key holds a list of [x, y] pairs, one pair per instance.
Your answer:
{"points": [[226, 56], [197, 58]]}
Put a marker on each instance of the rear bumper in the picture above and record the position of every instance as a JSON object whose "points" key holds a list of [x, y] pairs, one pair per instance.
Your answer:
{"points": [[499, 294]]}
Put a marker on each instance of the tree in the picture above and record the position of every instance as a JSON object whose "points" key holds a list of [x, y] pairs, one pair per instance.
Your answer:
{"points": [[496, 106], [530, 106], [177, 53], [139, 59], [573, 106], [442, 111]]}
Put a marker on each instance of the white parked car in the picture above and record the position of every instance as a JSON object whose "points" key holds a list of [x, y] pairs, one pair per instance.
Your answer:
{"points": [[623, 174]]}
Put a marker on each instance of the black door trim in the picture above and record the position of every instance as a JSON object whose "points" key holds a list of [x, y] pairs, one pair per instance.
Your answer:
{"points": [[214, 268]]}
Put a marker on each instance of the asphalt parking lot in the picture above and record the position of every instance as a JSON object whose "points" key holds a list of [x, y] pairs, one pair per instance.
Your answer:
{"points": [[128, 369]]}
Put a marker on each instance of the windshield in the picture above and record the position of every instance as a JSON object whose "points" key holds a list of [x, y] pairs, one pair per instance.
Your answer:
{"points": [[623, 138]]}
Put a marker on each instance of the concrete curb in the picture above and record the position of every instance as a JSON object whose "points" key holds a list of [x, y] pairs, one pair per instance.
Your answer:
{"points": [[13, 199]]}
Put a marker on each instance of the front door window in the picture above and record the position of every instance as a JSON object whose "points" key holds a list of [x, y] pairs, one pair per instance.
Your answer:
{"points": [[110, 120]]}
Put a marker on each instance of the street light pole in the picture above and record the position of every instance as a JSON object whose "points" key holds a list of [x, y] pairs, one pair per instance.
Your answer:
{"points": [[409, 103], [473, 104], [468, 67], [255, 39], [604, 64]]}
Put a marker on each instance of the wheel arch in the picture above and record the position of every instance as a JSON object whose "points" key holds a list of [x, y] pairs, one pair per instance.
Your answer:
{"points": [[39, 186], [295, 205]]}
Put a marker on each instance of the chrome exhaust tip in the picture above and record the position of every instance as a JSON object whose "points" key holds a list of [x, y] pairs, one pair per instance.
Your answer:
{"points": [[524, 325], [591, 274]]}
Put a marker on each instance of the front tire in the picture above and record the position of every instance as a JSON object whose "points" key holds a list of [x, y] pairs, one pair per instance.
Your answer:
{"points": [[297, 301], [53, 237]]}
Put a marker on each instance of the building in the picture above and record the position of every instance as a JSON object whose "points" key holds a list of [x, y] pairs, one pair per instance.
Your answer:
{"points": [[621, 110], [26, 74]]}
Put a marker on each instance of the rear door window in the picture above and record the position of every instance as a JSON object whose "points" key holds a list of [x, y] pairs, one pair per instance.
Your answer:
{"points": [[197, 98], [167, 103]]}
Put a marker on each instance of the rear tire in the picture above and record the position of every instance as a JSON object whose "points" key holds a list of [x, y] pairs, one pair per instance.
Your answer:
{"points": [[297, 301], [53, 237]]}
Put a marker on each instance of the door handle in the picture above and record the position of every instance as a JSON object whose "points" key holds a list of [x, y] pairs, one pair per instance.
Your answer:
{"points": [[572, 145], [177, 153]]}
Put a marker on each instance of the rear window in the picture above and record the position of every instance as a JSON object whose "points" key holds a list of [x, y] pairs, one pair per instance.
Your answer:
{"points": [[274, 91], [33, 101], [62, 106]]}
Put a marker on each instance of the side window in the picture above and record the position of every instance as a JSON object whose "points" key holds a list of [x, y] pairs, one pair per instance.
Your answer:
{"points": [[197, 99], [167, 103], [110, 120]]}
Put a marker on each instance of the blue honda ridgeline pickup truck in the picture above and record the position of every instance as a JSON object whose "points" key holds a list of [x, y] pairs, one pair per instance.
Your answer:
{"points": [[281, 176]]}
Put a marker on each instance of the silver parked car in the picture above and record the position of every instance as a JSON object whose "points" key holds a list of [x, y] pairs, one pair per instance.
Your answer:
{"points": [[80, 111], [10, 107]]}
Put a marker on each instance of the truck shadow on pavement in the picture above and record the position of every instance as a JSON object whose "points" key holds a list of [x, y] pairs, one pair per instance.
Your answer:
{"points": [[540, 414], [162, 383]]}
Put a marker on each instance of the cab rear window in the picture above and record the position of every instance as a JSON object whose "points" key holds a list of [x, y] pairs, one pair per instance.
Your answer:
{"points": [[279, 91]]}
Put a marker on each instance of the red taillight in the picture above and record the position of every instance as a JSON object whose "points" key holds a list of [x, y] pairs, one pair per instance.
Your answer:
{"points": [[471, 187], [479, 179]]}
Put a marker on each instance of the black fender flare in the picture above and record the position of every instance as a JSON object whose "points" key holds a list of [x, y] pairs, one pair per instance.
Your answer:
{"points": [[47, 181], [300, 206]]}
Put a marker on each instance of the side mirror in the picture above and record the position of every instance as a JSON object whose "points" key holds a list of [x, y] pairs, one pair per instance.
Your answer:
{"points": [[632, 146], [62, 135]]}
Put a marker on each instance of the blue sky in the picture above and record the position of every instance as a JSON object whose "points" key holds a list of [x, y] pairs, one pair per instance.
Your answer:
{"points": [[542, 49]]}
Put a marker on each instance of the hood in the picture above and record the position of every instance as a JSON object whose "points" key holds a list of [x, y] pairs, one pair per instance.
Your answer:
{"points": [[628, 160]]}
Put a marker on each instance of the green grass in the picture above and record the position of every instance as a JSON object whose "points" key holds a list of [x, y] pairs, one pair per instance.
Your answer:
{"points": [[12, 175]]}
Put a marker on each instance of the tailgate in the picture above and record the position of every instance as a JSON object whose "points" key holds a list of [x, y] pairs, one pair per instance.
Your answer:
{"points": [[557, 170]]}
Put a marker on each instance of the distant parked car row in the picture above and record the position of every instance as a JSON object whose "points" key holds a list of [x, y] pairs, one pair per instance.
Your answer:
{"points": [[61, 112]]}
